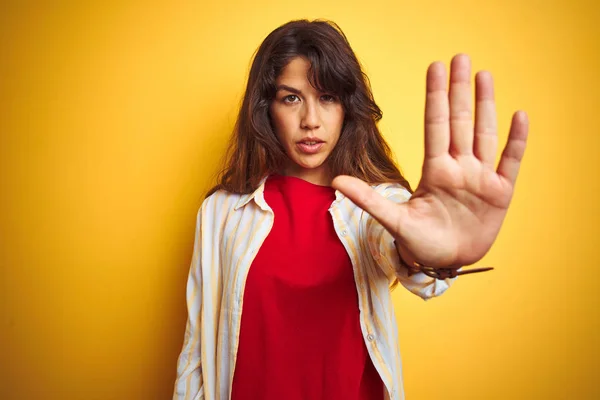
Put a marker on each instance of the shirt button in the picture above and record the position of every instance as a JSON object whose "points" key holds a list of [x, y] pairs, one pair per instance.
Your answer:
{"points": [[344, 232], [370, 338]]}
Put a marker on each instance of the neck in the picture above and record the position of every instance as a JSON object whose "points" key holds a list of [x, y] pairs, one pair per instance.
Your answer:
{"points": [[318, 176]]}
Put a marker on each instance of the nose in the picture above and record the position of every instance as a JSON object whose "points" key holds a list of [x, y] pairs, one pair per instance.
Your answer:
{"points": [[311, 118]]}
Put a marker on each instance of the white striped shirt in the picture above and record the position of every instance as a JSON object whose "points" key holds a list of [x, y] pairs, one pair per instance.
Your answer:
{"points": [[230, 229]]}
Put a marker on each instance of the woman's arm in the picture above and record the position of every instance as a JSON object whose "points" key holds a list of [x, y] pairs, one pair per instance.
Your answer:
{"points": [[189, 385], [383, 250]]}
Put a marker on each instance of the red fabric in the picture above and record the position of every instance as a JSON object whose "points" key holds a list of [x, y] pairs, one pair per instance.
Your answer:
{"points": [[300, 334]]}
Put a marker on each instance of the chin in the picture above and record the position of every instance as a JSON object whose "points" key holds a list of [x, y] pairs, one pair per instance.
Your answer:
{"points": [[309, 164]]}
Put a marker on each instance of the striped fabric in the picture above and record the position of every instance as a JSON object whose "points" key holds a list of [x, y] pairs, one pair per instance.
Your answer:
{"points": [[230, 230]]}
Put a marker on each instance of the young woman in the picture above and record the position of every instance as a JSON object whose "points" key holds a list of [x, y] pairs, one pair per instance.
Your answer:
{"points": [[311, 222]]}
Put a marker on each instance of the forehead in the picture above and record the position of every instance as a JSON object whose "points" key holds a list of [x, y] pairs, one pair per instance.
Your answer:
{"points": [[295, 72]]}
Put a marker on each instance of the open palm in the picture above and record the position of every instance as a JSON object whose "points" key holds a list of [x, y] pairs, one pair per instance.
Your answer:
{"points": [[457, 210]]}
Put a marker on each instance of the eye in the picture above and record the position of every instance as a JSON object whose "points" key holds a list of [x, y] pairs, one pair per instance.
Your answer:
{"points": [[327, 98], [291, 98]]}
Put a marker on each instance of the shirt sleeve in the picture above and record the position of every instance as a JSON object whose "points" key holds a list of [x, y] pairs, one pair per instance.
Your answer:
{"points": [[188, 384], [383, 250]]}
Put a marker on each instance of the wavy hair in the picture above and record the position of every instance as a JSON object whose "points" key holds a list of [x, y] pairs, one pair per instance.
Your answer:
{"points": [[254, 150]]}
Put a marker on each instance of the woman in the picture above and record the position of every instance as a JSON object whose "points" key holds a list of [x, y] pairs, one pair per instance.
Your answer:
{"points": [[311, 222]]}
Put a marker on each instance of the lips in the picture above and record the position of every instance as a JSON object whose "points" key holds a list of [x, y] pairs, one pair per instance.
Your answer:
{"points": [[311, 141], [310, 145]]}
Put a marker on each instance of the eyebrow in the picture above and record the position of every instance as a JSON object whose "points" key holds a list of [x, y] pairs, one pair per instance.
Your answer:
{"points": [[289, 89]]}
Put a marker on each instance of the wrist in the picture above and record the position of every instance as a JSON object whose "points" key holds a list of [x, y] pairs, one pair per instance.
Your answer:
{"points": [[408, 261]]}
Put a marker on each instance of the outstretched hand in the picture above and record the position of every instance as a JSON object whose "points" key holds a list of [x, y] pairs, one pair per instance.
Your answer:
{"points": [[456, 212]]}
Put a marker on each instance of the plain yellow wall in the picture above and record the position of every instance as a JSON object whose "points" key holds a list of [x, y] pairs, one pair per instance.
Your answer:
{"points": [[113, 119]]}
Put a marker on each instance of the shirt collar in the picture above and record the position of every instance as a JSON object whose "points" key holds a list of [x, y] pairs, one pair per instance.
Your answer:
{"points": [[245, 198], [338, 196]]}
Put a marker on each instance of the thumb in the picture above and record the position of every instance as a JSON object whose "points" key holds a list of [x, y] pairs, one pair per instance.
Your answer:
{"points": [[383, 210]]}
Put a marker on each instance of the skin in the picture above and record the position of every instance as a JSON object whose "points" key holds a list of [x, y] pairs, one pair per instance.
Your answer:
{"points": [[457, 210], [300, 111]]}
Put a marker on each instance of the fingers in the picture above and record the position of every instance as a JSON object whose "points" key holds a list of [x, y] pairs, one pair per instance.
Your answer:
{"points": [[461, 107], [383, 210], [515, 147], [486, 129], [437, 130], [449, 117]]}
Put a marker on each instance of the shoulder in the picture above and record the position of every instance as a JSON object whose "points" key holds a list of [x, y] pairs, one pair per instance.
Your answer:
{"points": [[220, 202], [392, 191]]}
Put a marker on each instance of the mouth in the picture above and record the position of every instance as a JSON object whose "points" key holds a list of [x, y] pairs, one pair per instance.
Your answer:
{"points": [[311, 141], [310, 145]]}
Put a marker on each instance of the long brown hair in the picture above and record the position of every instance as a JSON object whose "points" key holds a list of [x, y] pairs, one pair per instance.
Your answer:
{"points": [[254, 150]]}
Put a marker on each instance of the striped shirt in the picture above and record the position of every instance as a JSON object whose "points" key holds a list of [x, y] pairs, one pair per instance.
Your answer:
{"points": [[230, 229]]}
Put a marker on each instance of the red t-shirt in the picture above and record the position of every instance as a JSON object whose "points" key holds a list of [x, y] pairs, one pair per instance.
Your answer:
{"points": [[300, 334]]}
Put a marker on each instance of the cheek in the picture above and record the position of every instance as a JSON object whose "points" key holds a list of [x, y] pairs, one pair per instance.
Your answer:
{"points": [[283, 124], [336, 122]]}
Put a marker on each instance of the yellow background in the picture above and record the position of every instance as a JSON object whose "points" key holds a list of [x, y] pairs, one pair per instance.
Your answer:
{"points": [[113, 119]]}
